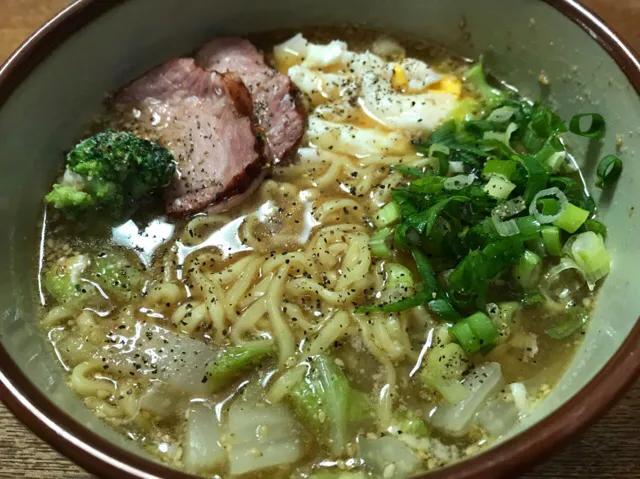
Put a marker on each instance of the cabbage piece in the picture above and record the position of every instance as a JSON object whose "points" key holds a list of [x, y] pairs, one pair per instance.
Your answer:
{"points": [[234, 360], [408, 422], [161, 399], [322, 401], [484, 381], [64, 280], [202, 444], [119, 278], [497, 417], [157, 353], [262, 437], [388, 457], [446, 364]]}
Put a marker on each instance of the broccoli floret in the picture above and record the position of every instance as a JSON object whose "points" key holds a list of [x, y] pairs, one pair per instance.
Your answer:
{"points": [[117, 276], [477, 80], [63, 280], [107, 173], [234, 360]]}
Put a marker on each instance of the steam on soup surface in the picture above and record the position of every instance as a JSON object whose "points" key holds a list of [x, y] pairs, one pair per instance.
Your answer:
{"points": [[376, 288]]}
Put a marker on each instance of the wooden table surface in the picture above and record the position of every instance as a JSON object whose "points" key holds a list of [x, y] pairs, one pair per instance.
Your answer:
{"points": [[610, 449]]}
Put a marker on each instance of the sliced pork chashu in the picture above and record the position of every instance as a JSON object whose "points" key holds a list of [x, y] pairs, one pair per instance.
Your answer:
{"points": [[206, 119]]}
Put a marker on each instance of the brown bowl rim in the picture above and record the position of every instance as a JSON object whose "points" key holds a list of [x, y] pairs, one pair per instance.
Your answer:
{"points": [[505, 460]]}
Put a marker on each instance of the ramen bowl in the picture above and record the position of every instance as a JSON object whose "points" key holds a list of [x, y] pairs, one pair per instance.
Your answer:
{"points": [[57, 80]]}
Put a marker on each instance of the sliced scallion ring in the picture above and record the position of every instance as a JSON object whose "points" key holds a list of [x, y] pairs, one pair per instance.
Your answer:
{"points": [[458, 182], [562, 205], [597, 127], [609, 170], [507, 210]]}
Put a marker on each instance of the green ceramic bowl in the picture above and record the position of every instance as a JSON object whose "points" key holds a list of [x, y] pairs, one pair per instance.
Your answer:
{"points": [[54, 83]]}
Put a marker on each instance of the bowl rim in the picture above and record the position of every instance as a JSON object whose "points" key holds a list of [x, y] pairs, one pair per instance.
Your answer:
{"points": [[99, 456]]}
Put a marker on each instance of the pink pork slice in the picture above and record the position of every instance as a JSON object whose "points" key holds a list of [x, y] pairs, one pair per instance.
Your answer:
{"points": [[206, 120], [277, 107]]}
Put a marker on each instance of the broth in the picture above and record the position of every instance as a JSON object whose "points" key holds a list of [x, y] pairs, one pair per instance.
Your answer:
{"points": [[284, 268]]}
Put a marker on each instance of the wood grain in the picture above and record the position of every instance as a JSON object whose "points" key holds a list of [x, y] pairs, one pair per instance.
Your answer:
{"points": [[610, 449]]}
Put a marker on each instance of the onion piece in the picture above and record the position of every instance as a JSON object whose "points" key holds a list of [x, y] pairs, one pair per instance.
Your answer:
{"points": [[459, 181], [545, 219]]}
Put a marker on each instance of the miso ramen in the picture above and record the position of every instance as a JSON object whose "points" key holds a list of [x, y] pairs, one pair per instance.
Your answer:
{"points": [[335, 254]]}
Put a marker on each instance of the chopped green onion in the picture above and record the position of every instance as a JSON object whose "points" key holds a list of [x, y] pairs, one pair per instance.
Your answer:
{"points": [[434, 211], [424, 269], [400, 236], [597, 126], [503, 137], [575, 322], [548, 206], [421, 297], [555, 161], [538, 200], [504, 168], [378, 243], [409, 170], [476, 78], [528, 227], [609, 170], [463, 334], [571, 218], [504, 313], [441, 153], [477, 333], [596, 226], [546, 123], [426, 185], [398, 276], [591, 256], [484, 329], [527, 271], [531, 141], [387, 215], [443, 308], [499, 187], [465, 109], [438, 148], [532, 297], [502, 114], [458, 182], [536, 245], [537, 177], [552, 240], [507, 210]]}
